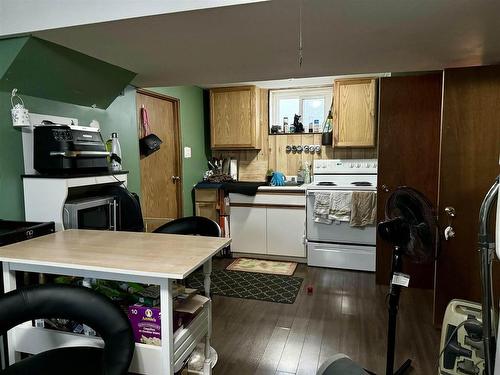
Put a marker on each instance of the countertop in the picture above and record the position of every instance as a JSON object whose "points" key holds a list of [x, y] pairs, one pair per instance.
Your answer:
{"points": [[144, 254], [291, 188]]}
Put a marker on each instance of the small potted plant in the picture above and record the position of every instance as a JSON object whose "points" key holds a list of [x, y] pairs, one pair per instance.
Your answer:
{"points": [[269, 175]]}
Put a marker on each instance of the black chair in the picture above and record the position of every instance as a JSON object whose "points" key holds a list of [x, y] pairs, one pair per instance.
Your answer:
{"points": [[74, 303], [191, 225]]}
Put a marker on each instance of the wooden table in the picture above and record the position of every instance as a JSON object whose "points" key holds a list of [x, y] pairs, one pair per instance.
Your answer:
{"points": [[122, 256]]}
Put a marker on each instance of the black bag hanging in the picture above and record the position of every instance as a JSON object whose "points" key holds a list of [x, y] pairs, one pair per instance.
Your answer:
{"points": [[149, 143]]}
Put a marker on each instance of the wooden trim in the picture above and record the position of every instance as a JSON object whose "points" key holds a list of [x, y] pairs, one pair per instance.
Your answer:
{"points": [[233, 88], [177, 137], [157, 95], [264, 205]]}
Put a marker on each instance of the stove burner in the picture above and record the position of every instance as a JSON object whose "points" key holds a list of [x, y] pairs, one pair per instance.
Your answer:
{"points": [[361, 183], [326, 183]]}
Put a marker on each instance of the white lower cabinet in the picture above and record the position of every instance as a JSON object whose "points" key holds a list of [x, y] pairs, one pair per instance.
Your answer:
{"points": [[248, 230], [285, 231], [268, 230]]}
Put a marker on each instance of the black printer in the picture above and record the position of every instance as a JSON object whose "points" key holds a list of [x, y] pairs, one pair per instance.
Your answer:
{"points": [[61, 149]]}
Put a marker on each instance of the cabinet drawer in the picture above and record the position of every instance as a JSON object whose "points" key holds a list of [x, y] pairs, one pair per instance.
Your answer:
{"points": [[206, 195], [208, 210]]}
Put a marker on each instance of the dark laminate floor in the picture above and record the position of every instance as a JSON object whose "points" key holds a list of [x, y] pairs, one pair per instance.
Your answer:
{"points": [[346, 313]]}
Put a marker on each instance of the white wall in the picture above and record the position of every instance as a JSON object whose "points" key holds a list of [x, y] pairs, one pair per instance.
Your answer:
{"points": [[26, 16]]}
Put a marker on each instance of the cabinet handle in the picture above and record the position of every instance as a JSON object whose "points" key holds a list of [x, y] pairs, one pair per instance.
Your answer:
{"points": [[385, 188], [175, 179]]}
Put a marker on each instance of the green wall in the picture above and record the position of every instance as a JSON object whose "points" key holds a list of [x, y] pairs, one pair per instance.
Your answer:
{"points": [[120, 117], [194, 133]]}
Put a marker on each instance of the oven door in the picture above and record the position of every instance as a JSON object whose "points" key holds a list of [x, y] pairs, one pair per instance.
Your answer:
{"points": [[96, 213], [337, 232]]}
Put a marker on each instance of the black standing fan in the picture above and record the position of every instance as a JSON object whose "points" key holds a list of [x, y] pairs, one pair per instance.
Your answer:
{"points": [[411, 227]]}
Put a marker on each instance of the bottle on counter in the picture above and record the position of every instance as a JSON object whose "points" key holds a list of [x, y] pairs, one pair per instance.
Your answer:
{"points": [[301, 175], [307, 172], [316, 126], [116, 153], [285, 125]]}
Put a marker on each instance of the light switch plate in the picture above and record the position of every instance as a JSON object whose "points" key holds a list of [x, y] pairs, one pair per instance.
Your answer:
{"points": [[187, 152]]}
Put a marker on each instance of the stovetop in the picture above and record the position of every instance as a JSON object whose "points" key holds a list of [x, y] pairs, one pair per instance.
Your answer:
{"points": [[338, 174]]}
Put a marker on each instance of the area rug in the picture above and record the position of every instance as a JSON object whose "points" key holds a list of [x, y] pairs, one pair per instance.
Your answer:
{"points": [[249, 285], [263, 266]]}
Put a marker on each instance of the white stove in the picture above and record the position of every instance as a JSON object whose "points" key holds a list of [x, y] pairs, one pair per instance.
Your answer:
{"points": [[338, 245]]}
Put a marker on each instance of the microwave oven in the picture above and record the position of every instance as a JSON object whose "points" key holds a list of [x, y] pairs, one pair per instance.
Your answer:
{"points": [[100, 213]]}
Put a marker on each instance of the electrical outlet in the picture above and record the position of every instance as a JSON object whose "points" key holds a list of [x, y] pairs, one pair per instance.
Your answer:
{"points": [[187, 152]]}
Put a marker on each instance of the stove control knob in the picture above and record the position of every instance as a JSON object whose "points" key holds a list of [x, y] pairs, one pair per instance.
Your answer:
{"points": [[351, 165], [358, 165]]}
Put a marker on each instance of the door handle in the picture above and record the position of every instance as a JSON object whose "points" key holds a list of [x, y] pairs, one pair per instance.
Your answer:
{"points": [[175, 179], [385, 188], [450, 211]]}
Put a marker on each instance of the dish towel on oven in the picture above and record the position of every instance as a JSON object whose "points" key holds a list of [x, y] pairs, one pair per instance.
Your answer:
{"points": [[364, 208], [322, 204], [340, 208]]}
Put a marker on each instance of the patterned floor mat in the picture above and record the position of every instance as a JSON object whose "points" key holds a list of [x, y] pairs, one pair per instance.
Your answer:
{"points": [[249, 285]]}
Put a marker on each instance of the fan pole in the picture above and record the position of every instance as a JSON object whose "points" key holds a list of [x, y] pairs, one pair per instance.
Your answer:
{"points": [[394, 293]]}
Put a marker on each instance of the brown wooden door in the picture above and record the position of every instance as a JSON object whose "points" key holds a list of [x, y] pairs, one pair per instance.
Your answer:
{"points": [[469, 164], [409, 131], [161, 190]]}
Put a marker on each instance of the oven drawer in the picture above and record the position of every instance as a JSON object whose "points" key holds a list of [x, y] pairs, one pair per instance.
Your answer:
{"points": [[351, 257]]}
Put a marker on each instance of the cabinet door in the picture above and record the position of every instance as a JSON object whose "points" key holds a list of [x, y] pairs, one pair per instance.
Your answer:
{"points": [[354, 113], [233, 117], [248, 229], [285, 231], [207, 209]]}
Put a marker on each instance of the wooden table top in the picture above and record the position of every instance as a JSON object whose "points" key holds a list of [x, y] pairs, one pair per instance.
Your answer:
{"points": [[146, 254]]}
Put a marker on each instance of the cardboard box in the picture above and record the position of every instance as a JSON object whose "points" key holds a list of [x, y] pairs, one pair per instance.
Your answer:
{"points": [[146, 321], [146, 324]]}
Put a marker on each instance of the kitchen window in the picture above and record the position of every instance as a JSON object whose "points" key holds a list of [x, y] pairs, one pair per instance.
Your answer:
{"points": [[312, 104]]}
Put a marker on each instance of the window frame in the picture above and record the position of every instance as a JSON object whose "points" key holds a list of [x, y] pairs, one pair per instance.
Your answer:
{"points": [[301, 93]]}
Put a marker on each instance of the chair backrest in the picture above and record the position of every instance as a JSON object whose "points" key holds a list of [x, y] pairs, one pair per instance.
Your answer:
{"points": [[79, 304], [193, 225]]}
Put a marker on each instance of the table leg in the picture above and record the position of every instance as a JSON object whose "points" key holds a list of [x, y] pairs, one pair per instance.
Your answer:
{"points": [[167, 339], [207, 271], [9, 284]]}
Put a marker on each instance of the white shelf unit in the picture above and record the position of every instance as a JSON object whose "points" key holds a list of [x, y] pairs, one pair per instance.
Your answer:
{"points": [[146, 360], [44, 197]]}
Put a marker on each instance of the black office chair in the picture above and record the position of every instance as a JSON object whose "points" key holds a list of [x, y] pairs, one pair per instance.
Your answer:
{"points": [[74, 303], [193, 225]]}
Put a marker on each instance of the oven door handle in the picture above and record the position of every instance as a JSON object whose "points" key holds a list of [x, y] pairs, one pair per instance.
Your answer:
{"points": [[76, 154]]}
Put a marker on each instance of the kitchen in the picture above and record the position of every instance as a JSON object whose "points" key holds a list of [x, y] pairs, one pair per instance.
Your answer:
{"points": [[275, 216], [306, 169]]}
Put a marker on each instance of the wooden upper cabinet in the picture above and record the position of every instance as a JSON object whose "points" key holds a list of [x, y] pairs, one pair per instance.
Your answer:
{"points": [[354, 114], [234, 118]]}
